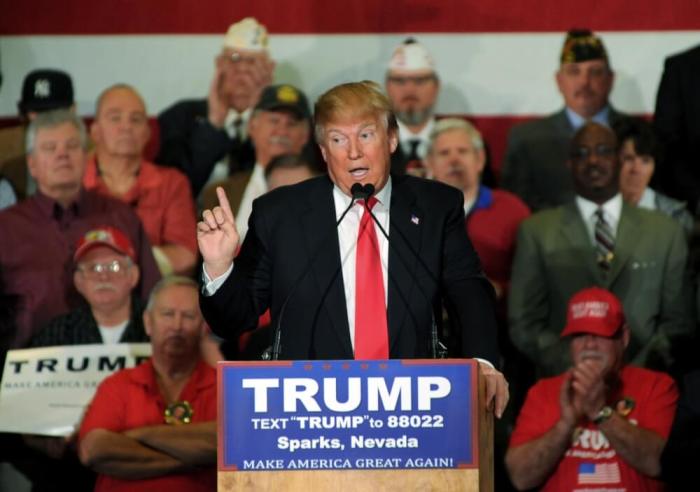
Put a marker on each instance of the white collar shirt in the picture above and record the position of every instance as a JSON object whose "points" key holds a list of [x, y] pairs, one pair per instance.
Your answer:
{"points": [[348, 231], [612, 209]]}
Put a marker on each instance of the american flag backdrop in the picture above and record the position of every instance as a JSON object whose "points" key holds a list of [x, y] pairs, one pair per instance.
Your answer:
{"points": [[496, 59]]}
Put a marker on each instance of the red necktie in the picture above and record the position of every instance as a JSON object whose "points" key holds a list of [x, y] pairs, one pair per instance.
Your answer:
{"points": [[371, 332]]}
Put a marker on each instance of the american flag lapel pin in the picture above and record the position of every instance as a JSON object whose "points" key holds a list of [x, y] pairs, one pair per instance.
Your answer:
{"points": [[415, 219]]}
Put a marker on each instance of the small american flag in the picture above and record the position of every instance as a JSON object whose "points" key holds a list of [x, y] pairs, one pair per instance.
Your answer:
{"points": [[415, 219], [590, 473]]}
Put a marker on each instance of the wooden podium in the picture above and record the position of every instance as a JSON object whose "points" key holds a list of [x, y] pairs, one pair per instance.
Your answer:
{"points": [[478, 476]]}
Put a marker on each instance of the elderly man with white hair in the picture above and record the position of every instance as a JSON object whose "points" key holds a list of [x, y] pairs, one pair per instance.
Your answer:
{"points": [[412, 86], [207, 138]]}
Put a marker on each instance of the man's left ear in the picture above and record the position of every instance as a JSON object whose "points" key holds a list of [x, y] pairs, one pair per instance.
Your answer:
{"points": [[393, 141]]}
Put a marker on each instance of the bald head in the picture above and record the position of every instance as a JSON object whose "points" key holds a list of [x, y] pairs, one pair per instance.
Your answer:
{"points": [[120, 129]]}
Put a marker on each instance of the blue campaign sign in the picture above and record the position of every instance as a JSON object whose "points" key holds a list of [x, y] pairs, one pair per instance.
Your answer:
{"points": [[347, 415]]}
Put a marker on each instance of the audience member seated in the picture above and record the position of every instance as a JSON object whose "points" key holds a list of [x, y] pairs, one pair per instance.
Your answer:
{"points": [[207, 138], [680, 456], [535, 161], [602, 423], [456, 157], [597, 239], [40, 233], [160, 196], [288, 169], [412, 86], [677, 122], [106, 276], [280, 124], [639, 153], [153, 427], [42, 90]]}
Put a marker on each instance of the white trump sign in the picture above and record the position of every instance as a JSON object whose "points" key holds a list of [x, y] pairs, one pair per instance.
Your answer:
{"points": [[45, 390]]}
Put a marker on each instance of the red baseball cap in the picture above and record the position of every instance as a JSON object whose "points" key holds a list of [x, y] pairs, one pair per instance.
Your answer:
{"points": [[595, 311], [104, 236]]}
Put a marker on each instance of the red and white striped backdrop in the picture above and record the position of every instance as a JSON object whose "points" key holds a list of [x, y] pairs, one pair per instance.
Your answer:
{"points": [[496, 59]]}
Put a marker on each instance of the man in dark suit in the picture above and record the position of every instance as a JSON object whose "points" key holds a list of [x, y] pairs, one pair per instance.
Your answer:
{"points": [[677, 121], [294, 257], [536, 154], [205, 137]]}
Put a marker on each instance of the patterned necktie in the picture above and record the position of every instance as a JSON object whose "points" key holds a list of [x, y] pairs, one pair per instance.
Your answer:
{"points": [[237, 127], [604, 241], [371, 331]]}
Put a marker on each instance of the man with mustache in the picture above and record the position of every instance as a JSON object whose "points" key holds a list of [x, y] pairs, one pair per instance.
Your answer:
{"points": [[153, 427], [596, 239], [611, 420], [535, 163], [280, 125], [105, 275], [412, 86]]}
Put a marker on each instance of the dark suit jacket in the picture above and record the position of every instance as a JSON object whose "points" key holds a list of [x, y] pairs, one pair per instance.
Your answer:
{"points": [[555, 258], [535, 162], [677, 122], [189, 142], [294, 226]]}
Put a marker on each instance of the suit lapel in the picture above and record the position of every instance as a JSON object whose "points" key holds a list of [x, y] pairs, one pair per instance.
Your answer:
{"points": [[318, 223], [627, 232], [574, 230], [405, 239]]}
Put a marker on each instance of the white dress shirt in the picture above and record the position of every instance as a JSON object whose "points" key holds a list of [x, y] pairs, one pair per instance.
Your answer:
{"points": [[648, 199], [221, 168], [347, 239], [256, 187], [611, 213], [405, 137]]}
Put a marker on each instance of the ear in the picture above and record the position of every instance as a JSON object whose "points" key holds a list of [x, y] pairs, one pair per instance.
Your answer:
{"points": [[558, 77], [79, 282], [393, 141], [323, 152], [480, 160], [94, 131], [147, 322], [626, 335], [32, 164], [135, 275]]}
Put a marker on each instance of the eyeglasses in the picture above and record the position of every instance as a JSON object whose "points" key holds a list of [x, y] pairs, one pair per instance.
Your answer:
{"points": [[114, 267], [600, 150], [420, 80]]}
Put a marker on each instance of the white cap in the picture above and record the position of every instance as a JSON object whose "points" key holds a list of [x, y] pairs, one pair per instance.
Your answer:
{"points": [[247, 34], [411, 55]]}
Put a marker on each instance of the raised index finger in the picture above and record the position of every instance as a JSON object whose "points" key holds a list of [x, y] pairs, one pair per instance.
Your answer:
{"points": [[223, 202]]}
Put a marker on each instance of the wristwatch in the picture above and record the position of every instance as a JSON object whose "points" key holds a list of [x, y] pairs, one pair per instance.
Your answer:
{"points": [[604, 414]]}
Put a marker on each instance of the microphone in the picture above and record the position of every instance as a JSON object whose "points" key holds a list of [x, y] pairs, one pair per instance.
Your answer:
{"points": [[438, 349], [272, 353]]}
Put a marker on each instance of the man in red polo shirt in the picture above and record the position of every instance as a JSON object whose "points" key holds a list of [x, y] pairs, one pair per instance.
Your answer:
{"points": [[602, 424], [159, 195], [153, 427]]}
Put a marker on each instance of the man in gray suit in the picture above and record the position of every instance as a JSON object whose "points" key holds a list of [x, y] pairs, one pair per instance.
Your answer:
{"points": [[597, 240], [534, 166]]}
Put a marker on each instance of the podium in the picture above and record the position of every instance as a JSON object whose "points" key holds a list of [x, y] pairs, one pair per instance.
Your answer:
{"points": [[309, 426]]}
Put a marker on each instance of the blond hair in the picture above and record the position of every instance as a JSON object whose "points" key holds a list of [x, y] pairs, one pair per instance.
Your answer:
{"points": [[353, 100]]}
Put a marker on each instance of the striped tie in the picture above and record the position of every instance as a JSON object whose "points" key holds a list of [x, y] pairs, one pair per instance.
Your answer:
{"points": [[604, 241]]}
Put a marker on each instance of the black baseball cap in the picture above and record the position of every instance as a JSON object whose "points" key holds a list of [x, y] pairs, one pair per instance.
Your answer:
{"points": [[44, 90], [284, 97]]}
